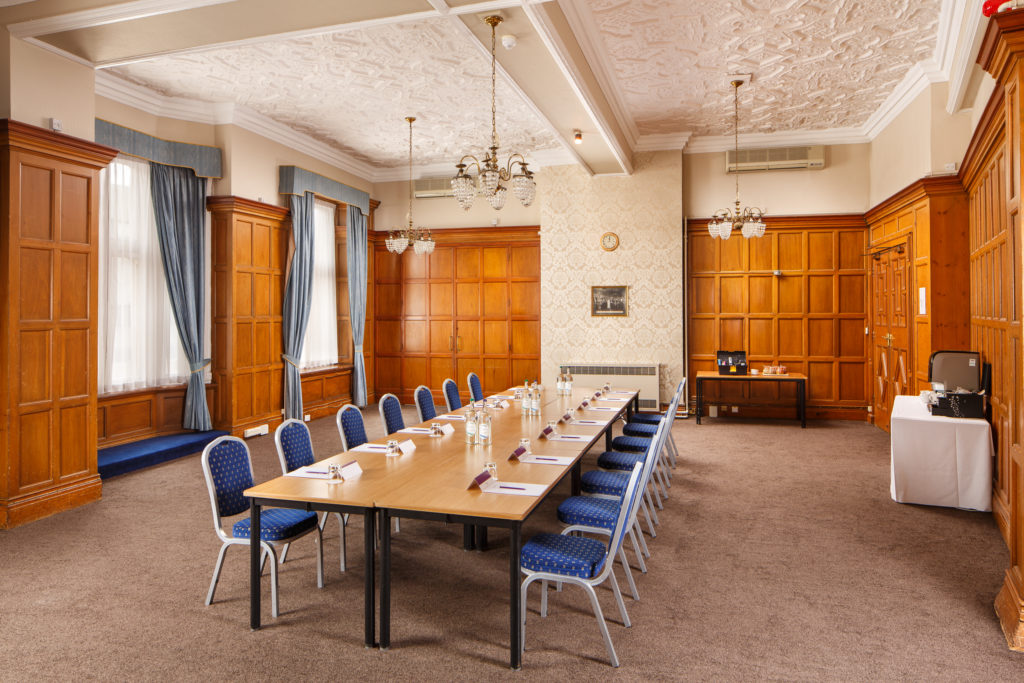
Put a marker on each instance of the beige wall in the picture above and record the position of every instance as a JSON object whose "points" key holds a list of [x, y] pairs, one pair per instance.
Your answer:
{"points": [[444, 212], [44, 86], [950, 135], [646, 211], [841, 187]]}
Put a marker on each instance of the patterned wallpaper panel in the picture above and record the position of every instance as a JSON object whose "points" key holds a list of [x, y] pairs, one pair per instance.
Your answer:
{"points": [[646, 211]]}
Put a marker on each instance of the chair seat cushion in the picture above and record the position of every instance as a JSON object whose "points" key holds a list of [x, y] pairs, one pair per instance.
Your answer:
{"points": [[630, 443], [577, 556], [608, 483], [647, 418], [641, 429], [277, 524], [596, 512], [619, 460]]}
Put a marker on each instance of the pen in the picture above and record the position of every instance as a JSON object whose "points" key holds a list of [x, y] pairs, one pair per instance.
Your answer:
{"points": [[540, 457], [315, 472], [517, 488]]}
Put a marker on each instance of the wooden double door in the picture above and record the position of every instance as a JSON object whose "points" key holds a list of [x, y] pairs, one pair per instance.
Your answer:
{"points": [[473, 305], [891, 338]]}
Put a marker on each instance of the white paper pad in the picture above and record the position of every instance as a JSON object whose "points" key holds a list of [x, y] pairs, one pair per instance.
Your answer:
{"points": [[370, 448], [622, 393], [533, 459], [315, 471], [567, 437], [612, 398], [512, 488], [415, 430], [501, 396], [451, 417], [590, 422], [605, 408]]}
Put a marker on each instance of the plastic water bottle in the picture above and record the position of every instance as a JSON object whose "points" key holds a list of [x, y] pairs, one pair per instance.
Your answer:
{"points": [[535, 403], [568, 383], [560, 383]]}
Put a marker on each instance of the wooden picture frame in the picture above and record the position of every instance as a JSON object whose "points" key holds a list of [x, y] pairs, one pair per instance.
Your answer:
{"points": [[609, 301]]}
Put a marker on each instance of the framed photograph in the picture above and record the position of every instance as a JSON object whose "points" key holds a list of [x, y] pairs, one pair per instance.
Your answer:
{"points": [[609, 301]]}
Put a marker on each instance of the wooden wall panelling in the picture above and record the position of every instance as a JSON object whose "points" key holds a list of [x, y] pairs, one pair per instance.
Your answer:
{"points": [[809, 317], [48, 334], [250, 248], [470, 306], [991, 172], [133, 415], [930, 218]]}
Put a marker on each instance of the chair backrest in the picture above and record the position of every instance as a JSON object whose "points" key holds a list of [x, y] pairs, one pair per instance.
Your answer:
{"points": [[451, 394], [350, 427], [228, 471], [424, 403], [627, 507], [670, 416], [294, 445], [391, 413], [476, 392]]}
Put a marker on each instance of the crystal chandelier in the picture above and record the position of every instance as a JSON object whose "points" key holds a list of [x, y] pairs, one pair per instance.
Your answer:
{"points": [[749, 219], [420, 239], [491, 174]]}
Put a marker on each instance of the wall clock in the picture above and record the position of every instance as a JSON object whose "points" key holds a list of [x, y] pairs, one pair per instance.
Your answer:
{"points": [[609, 241]]}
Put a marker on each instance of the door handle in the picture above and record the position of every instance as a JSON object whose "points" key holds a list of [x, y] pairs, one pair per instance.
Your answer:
{"points": [[451, 344], [458, 343]]}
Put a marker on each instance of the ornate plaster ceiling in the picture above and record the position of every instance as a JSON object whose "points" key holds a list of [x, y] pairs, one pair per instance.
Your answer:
{"points": [[815, 64], [351, 90]]}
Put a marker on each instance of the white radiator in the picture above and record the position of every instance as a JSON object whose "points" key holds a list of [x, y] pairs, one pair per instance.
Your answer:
{"points": [[628, 376]]}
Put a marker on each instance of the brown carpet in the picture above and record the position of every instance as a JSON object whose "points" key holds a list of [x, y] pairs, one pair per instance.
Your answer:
{"points": [[780, 556]]}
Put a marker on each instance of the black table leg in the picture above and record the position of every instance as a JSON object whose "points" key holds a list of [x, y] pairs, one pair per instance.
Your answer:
{"points": [[514, 606], [385, 580], [468, 537], [608, 436], [254, 564], [802, 397], [576, 478], [481, 537], [369, 635], [700, 399]]}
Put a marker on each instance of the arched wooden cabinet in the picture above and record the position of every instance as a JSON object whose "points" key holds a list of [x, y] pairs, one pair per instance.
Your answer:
{"points": [[473, 305]]}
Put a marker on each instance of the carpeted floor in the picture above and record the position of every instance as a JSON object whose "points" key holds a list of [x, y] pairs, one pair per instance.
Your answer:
{"points": [[780, 557]]}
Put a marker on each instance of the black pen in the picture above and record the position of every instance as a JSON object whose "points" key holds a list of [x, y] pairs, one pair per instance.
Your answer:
{"points": [[517, 488]]}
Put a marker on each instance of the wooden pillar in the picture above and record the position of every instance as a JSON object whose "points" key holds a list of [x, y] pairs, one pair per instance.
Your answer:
{"points": [[992, 176], [48, 331], [250, 252]]}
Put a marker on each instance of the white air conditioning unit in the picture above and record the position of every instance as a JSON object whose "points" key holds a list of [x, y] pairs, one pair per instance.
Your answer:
{"points": [[775, 159], [644, 377], [424, 188]]}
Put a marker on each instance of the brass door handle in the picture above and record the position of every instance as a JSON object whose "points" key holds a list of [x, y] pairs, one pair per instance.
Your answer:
{"points": [[451, 345], [458, 343], [888, 340]]}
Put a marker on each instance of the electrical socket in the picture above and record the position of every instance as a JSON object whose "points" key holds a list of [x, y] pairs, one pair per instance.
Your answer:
{"points": [[307, 417], [735, 409]]}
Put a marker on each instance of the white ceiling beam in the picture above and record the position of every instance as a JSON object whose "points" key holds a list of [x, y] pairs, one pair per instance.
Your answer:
{"points": [[972, 32], [111, 14]]}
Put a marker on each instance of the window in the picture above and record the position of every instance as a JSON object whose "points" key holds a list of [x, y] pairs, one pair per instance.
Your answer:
{"points": [[138, 341], [320, 347]]}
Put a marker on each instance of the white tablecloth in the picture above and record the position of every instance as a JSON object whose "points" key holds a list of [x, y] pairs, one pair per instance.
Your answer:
{"points": [[939, 460]]}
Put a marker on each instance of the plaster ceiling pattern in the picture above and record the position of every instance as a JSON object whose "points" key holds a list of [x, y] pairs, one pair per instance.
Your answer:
{"points": [[815, 64], [351, 90]]}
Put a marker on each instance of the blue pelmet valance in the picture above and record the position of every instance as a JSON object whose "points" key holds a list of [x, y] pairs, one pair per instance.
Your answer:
{"points": [[295, 180], [204, 160]]}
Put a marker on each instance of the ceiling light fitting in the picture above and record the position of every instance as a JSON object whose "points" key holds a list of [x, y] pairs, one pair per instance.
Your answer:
{"points": [[577, 137], [401, 239], [514, 171], [749, 219]]}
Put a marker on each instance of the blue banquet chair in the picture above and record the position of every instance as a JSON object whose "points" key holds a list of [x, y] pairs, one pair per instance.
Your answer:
{"points": [[424, 401], [350, 427], [391, 413], [450, 389], [476, 392]]}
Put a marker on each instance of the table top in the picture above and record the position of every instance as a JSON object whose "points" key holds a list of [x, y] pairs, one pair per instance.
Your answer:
{"points": [[713, 374], [435, 477], [906, 407]]}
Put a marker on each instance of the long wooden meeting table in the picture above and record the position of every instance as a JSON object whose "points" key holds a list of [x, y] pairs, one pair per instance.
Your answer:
{"points": [[432, 483]]}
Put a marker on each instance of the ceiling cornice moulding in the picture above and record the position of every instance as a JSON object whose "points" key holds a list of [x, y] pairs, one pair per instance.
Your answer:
{"points": [[101, 16], [832, 136]]}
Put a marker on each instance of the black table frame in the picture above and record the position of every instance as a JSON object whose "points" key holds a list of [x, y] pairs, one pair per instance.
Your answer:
{"points": [[369, 529], [801, 390]]}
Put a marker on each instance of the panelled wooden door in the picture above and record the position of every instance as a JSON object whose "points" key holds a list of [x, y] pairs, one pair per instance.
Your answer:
{"points": [[470, 306], [890, 340]]}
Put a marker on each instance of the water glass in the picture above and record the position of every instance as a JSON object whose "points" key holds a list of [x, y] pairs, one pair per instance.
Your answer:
{"points": [[393, 448], [492, 469], [435, 429], [524, 443], [334, 471]]}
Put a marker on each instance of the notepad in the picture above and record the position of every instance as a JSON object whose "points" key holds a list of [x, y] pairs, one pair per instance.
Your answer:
{"points": [[614, 398], [567, 437], [534, 459], [604, 408], [590, 422], [451, 417], [370, 448], [415, 430]]}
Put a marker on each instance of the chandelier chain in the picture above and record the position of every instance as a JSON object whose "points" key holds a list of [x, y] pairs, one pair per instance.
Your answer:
{"points": [[494, 82]]}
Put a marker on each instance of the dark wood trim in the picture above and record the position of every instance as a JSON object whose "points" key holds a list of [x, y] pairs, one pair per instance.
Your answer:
{"points": [[915, 191], [839, 221], [18, 135], [248, 207], [1003, 40], [478, 236]]}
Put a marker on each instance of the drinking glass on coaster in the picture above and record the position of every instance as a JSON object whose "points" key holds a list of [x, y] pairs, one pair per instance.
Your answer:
{"points": [[607, 387], [492, 469], [393, 448], [334, 472], [435, 429], [518, 394], [524, 443]]}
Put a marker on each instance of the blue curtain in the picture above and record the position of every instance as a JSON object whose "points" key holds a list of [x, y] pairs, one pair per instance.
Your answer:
{"points": [[356, 248], [298, 290], [179, 202]]}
